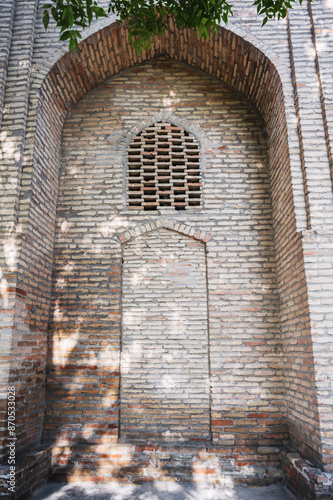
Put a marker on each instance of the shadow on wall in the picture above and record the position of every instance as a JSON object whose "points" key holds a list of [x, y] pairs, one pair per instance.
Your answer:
{"points": [[83, 408], [84, 403], [159, 491]]}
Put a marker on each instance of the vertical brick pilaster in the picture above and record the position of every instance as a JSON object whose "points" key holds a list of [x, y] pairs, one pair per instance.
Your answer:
{"points": [[318, 258], [313, 96], [6, 25], [314, 154], [13, 134], [321, 15]]}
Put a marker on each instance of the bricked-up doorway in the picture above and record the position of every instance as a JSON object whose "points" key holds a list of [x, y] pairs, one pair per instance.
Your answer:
{"points": [[165, 394]]}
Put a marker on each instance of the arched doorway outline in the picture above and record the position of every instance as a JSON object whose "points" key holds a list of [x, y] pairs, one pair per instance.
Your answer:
{"points": [[190, 233]]}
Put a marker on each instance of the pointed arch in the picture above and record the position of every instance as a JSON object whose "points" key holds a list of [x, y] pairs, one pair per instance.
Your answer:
{"points": [[173, 225], [165, 115], [229, 56]]}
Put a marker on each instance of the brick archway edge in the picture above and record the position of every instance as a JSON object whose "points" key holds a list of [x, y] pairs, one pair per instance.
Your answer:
{"points": [[173, 225]]}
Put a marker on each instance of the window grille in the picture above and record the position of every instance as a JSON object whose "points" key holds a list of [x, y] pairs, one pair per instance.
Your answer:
{"points": [[163, 169]]}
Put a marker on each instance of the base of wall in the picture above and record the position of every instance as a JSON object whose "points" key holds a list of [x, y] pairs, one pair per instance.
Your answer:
{"points": [[138, 464], [130, 463], [32, 470], [303, 479]]}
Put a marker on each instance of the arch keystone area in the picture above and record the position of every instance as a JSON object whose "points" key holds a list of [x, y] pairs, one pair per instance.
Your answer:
{"points": [[166, 115], [179, 227]]}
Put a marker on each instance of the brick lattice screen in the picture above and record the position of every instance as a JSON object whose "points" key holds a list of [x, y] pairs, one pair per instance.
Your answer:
{"points": [[163, 169]]}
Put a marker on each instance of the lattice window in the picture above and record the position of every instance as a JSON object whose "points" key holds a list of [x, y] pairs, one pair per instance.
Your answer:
{"points": [[163, 169]]}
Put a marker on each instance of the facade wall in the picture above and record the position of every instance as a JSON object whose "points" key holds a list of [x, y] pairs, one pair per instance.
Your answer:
{"points": [[292, 91], [236, 213]]}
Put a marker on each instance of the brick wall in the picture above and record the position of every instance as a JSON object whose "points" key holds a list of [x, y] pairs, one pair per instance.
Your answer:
{"points": [[165, 390], [242, 57], [31, 471], [243, 302]]}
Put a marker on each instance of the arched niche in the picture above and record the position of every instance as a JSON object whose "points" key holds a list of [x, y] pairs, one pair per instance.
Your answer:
{"points": [[228, 57]]}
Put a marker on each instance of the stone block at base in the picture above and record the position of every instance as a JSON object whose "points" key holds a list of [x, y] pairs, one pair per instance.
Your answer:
{"points": [[303, 479]]}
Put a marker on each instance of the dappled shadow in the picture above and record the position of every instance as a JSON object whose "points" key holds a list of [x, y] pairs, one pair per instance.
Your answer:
{"points": [[83, 388], [159, 491]]}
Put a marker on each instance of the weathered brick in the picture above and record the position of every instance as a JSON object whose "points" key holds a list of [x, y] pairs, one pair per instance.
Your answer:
{"points": [[266, 233]]}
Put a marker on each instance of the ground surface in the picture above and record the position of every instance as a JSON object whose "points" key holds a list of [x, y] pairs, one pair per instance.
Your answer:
{"points": [[157, 491]]}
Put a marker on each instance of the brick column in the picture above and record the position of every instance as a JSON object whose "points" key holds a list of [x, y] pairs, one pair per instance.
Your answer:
{"points": [[314, 156], [321, 16], [318, 263], [6, 25], [11, 153], [317, 243]]}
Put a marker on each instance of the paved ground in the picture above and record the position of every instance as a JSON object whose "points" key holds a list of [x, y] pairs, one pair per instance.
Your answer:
{"points": [[157, 491]]}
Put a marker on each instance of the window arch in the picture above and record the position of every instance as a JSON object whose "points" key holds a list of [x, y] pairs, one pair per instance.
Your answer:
{"points": [[163, 169]]}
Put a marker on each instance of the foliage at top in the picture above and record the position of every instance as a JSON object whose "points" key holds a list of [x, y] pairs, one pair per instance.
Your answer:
{"points": [[147, 18]]}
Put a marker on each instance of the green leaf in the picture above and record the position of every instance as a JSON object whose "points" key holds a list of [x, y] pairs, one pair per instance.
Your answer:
{"points": [[54, 13], [145, 18], [89, 15], [46, 19], [70, 16], [73, 44], [76, 34], [98, 11], [65, 36], [65, 13]]}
